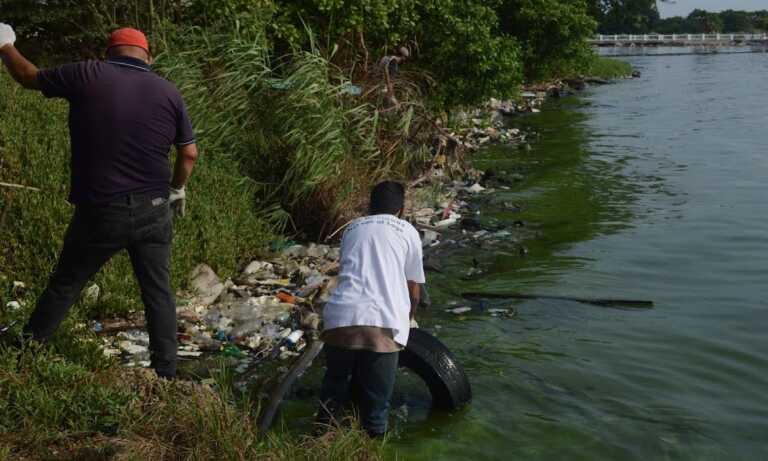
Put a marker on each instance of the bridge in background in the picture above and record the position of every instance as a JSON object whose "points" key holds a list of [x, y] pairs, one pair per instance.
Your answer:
{"points": [[680, 40]]}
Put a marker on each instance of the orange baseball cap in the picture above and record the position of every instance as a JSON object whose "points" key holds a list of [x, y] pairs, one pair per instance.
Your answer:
{"points": [[128, 37]]}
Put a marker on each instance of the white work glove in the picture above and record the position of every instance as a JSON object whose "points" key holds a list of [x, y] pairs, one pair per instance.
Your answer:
{"points": [[7, 35], [177, 199]]}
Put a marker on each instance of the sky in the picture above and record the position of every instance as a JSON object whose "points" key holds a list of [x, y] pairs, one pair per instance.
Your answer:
{"points": [[683, 7]]}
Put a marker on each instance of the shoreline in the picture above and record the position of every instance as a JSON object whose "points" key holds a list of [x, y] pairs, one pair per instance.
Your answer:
{"points": [[226, 365], [266, 313]]}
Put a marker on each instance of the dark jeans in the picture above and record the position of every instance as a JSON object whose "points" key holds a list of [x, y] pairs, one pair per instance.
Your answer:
{"points": [[143, 226], [371, 374]]}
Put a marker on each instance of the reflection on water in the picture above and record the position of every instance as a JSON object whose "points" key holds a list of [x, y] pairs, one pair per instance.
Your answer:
{"points": [[648, 189]]}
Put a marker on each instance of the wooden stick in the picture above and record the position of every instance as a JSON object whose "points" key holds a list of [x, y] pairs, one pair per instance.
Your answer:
{"points": [[18, 186], [337, 231], [629, 303], [278, 393]]}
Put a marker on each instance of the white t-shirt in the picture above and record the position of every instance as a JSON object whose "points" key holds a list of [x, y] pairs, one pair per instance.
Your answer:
{"points": [[379, 255]]}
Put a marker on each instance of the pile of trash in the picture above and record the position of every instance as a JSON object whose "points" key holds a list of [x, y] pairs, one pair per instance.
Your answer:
{"points": [[267, 312], [271, 309]]}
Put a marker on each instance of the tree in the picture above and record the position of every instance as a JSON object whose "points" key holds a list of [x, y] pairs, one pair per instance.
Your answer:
{"points": [[704, 22], [625, 16], [552, 34], [737, 21]]}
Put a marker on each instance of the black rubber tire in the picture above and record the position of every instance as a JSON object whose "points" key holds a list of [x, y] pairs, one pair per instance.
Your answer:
{"points": [[426, 356]]}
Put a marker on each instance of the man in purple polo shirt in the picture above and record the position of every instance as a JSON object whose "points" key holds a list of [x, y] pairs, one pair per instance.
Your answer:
{"points": [[123, 120]]}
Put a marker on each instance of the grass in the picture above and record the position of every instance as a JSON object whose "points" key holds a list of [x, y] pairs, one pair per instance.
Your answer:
{"points": [[223, 226], [608, 68], [53, 409], [265, 153]]}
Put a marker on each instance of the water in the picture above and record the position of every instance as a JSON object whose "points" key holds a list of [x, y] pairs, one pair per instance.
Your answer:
{"points": [[648, 189]]}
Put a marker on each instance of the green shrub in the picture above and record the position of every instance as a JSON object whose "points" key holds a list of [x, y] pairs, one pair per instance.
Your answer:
{"points": [[608, 68], [552, 34]]}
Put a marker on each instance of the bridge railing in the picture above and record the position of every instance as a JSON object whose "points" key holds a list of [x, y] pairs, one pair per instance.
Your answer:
{"points": [[637, 38]]}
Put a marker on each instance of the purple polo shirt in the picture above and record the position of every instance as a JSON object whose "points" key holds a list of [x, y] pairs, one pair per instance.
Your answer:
{"points": [[123, 119]]}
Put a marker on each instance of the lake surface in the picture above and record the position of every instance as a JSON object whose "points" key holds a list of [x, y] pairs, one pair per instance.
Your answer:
{"points": [[655, 188]]}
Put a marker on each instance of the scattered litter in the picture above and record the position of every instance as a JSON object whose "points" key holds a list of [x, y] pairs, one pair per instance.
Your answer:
{"points": [[91, 294], [459, 310], [286, 297], [476, 188], [132, 348], [13, 305], [189, 353], [295, 336], [205, 284]]}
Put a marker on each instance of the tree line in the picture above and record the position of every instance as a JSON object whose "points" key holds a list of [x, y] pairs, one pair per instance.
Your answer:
{"points": [[467, 49], [642, 17]]}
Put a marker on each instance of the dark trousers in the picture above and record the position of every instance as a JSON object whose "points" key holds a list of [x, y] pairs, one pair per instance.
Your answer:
{"points": [[143, 226], [370, 374]]}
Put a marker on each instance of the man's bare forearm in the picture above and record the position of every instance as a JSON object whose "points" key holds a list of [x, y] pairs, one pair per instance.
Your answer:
{"points": [[414, 293], [185, 162], [23, 71]]}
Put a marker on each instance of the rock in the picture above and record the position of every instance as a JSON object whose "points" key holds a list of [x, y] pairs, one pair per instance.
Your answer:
{"points": [[636, 74], [91, 294], [206, 284], [528, 95], [493, 133]]}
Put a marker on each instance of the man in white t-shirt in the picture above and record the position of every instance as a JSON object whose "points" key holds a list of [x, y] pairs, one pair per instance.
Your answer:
{"points": [[367, 319]]}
